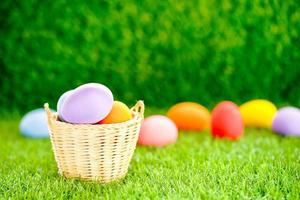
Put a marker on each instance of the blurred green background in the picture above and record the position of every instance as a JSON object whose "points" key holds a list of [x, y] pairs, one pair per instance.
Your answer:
{"points": [[159, 51]]}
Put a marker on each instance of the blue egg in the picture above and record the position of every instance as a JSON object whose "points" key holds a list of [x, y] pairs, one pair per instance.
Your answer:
{"points": [[34, 124]]}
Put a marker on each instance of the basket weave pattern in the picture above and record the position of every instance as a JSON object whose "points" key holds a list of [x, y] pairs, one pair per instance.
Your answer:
{"points": [[94, 152]]}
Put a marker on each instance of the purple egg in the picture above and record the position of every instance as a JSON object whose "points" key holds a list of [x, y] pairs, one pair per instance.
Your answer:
{"points": [[287, 121], [60, 103], [87, 104]]}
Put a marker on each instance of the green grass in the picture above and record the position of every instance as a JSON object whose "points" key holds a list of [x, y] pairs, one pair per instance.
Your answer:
{"points": [[260, 165]]}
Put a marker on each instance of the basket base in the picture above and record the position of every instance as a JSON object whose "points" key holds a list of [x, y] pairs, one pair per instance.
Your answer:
{"points": [[105, 179]]}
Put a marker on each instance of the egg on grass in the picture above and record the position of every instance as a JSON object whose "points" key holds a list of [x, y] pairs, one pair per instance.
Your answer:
{"points": [[157, 130], [227, 121], [287, 121], [190, 116], [258, 113], [34, 124]]}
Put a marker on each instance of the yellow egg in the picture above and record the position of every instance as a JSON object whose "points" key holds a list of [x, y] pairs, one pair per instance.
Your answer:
{"points": [[258, 113], [119, 113]]}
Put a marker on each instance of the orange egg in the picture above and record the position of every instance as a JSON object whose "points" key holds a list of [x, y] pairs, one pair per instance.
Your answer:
{"points": [[119, 113], [190, 116]]}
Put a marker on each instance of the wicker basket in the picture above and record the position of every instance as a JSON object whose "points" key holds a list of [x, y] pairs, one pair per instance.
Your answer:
{"points": [[94, 152]]}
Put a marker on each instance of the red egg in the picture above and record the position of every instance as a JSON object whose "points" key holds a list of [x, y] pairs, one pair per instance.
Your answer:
{"points": [[227, 121]]}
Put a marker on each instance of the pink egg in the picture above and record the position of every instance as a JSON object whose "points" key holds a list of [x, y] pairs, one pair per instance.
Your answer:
{"points": [[157, 130]]}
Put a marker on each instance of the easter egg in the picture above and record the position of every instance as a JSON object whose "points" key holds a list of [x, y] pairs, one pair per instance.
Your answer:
{"points": [[157, 130], [34, 124], [61, 101], [287, 121], [227, 121], [258, 113], [119, 113], [189, 116], [87, 104]]}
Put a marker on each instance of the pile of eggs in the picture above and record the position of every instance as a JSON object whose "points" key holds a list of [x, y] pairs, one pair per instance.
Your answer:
{"points": [[91, 103], [227, 120]]}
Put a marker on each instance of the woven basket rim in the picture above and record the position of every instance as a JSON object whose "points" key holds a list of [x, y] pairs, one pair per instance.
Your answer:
{"points": [[137, 112]]}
